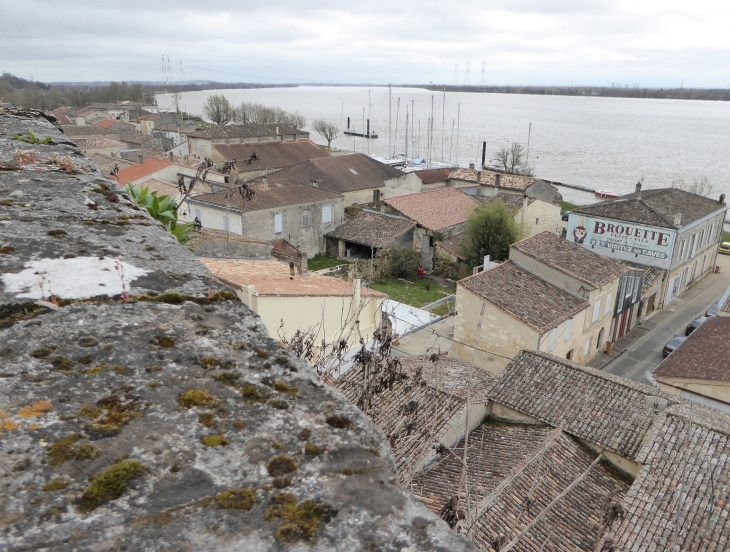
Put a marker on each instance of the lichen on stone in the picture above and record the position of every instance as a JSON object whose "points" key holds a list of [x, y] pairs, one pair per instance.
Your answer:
{"points": [[110, 484], [281, 465], [44, 351], [212, 362], [339, 422], [312, 449], [298, 521], [55, 485], [236, 499], [285, 388], [197, 397], [214, 440]]}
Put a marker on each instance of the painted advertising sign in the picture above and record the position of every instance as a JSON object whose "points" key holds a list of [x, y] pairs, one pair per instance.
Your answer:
{"points": [[638, 243]]}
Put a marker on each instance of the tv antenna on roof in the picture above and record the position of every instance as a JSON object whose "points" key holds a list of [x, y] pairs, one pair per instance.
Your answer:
{"points": [[182, 72]]}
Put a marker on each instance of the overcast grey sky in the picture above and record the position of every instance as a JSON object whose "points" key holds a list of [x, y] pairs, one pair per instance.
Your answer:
{"points": [[558, 42]]}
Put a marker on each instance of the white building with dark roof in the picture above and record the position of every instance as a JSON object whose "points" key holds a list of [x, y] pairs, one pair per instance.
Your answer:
{"points": [[666, 228]]}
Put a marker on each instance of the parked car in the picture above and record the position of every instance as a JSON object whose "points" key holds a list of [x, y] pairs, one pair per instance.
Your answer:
{"points": [[672, 344], [696, 323], [712, 311], [724, 248], [565, 215]]}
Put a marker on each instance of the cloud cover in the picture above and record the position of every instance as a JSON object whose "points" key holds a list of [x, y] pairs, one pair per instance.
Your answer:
{"points": [[559, 42]]}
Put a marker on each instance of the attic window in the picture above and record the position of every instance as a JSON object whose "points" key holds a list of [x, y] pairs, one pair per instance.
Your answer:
{"points": [[353, 171]]}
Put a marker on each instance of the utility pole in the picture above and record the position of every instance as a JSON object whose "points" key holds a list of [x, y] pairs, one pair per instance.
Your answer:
{"points": [[458, 122], [443, 123], [529, 133]]}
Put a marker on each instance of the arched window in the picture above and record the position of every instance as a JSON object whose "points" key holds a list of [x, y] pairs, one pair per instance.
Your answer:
{"points": [[600, 339]]}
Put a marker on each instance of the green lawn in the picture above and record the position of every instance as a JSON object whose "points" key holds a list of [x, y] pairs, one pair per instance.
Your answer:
{"points": [[567, 206], [318, 262], [416, 295], [726, 236]]}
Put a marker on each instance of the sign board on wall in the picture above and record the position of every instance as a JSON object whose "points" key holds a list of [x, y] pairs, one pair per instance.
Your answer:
{"points": [[638, 243]]}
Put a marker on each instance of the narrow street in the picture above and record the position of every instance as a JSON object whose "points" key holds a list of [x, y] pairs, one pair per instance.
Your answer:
{"points": [[641, 350]]}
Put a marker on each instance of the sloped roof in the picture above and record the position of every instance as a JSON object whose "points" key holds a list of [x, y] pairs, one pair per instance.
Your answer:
{"points": [[656, 207], [652, 275], [418, 410], [106, 162], [371, 229], [63, 119], [268, 196], [607, 410], [487, 178], [429, 176], [272, 278], [135, 172], [682, 461], [513, 201], [342, 173], [525, 296], [436, 209], [455, 245], [98, 143], [87, 130], [705, 355], [571, 259], [270, 155], [162, 188], [249, 130], [106, 123]]}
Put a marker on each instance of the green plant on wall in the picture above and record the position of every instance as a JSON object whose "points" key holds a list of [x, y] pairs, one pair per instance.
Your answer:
{"points": [[32, 139], [161, 208]]}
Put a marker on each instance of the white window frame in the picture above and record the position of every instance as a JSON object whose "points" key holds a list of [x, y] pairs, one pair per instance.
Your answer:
{"points": [[587, 348], [637, 283], [568, 329], [607, 308], [596, 309], [226, 223], [329, 215], [278, 223]]}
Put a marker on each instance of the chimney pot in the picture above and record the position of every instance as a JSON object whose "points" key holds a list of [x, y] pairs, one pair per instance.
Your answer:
{"points": [[171, 157], [140, 158], [496, 179], [471, 165], [677, 219], [722, 199], [638, 187]]}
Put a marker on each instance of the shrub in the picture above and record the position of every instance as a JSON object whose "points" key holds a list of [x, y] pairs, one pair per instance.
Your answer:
{"points": [[403, 262]]}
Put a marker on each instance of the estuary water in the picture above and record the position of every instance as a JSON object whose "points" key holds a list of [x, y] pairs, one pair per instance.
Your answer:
{"points": [[600, 143]]}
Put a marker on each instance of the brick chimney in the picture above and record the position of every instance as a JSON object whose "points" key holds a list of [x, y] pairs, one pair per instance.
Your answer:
{"points": [[303, 263], [496, 179], [171, 157], [638, 188], [140, 158], [721, 201], [678, 219]]}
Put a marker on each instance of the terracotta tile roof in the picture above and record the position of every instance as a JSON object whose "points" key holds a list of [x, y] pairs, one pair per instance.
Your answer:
{"points": [[98, 143], [574, 523], [134, 138], [272, 278], [342, 173], [571, 259], [705, 355], [106, 162], [488, 178], [654, 207], [106, 123], [417, 411], [513, 201], [429, 176], [162, 188], [63, 119], [268, 196], [250, 130], [173, 127], [283, 250], [436, 209], [455, 245], [524, 295], [270, 155], [150, 117], [685, 462], [606, 410], [206, 234], [135, 172], [372, 229], [90, 130]]}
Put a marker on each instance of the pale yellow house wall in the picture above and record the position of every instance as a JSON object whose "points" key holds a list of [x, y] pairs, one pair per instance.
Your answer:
{"points": [[409, 183], [361, 196], [539, 217], [331, 313], [718, 390]]}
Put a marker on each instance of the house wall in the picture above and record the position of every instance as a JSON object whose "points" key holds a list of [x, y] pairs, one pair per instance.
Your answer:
{"points": [[105, 151], [718, 390], [544, 191], [433, 186], [539, 217], [259, 225], [302, 312], [359, 197], [409, 183]]}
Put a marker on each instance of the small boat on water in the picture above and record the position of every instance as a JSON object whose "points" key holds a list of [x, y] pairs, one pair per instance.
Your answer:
{"points": [[606, 193]]}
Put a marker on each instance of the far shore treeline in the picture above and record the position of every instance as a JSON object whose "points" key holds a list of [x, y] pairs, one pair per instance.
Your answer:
{"points": [[34, 94]]}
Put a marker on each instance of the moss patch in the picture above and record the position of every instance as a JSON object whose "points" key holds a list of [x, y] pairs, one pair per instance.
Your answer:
{"points": [[281, 465], [313, 450], [62, 364], [165, 341], [284, 388], [197, 397], [211, 362], [298, 521], [228, 378], [44, 351], [304, 435], [250, 393], [121, 370], [178, 298], [207, 419], [55, 485], [340, 422], [279, 404], [88, 341], [214, 440], [110, 484], [95, 370], [58, 234], [261, 353], [236, 499], [66, 449], [90, 411]]}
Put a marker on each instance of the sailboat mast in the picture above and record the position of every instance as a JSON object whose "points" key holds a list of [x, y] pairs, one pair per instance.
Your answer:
{"points": [[413, 117], [443, 123], [369, 131], [363, 129], [529, 133], [390, 119], [430, 137], [406, 160], [395, 137], [458, 121]]}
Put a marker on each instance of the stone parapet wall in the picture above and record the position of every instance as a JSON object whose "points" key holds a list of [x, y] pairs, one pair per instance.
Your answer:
{"points": [[142, 407]]}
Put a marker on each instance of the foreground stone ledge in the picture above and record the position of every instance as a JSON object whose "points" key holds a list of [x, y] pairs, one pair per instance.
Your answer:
{"points": [[163, 417]]}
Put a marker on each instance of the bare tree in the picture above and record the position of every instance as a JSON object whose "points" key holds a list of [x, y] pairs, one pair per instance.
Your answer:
{"points": [[218, 109], [512, 159], [176, 99], [328, 131], [700, 186], [249, 112]]}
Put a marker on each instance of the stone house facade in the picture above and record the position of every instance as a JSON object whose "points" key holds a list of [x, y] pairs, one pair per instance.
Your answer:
{"points": [[200, 142]]}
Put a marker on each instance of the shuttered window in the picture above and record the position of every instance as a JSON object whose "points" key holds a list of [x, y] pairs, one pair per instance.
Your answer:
{"points": [[596, 309], [608, 304], [278, 223], [327, 214], [568, 329]]}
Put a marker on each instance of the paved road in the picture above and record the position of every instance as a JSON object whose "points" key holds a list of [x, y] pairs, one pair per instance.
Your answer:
{"points": [[646, 342]]}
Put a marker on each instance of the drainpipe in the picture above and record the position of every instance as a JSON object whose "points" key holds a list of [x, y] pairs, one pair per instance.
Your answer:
{"points": [[524, 211]]}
